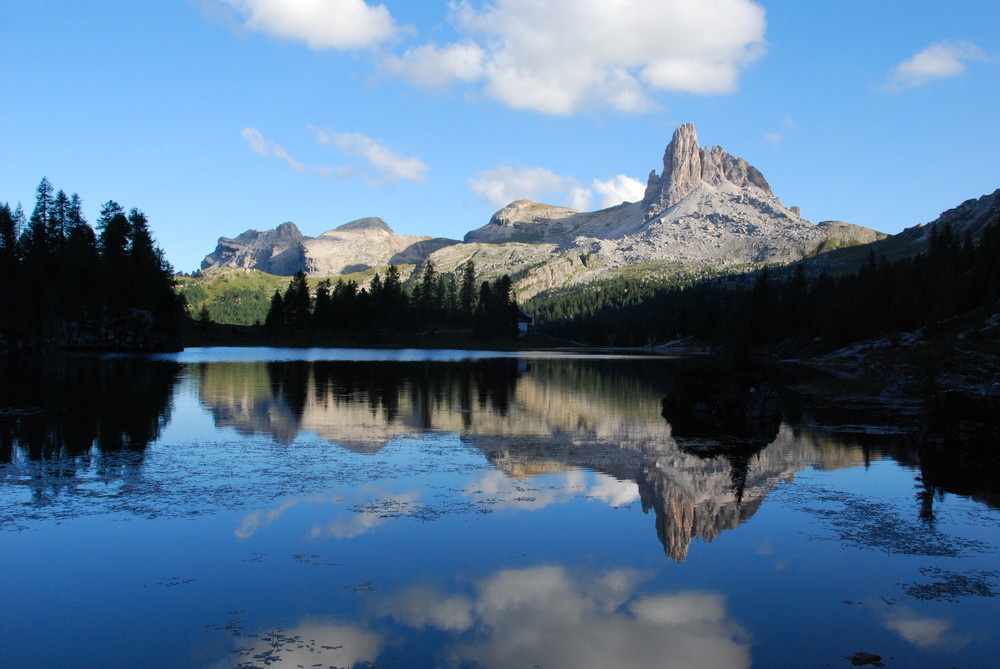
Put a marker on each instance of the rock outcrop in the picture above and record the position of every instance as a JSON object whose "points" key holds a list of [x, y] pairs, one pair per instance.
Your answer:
{"points": [[363, 244], [687, 166], [352, 247], [707, 210], [276, 251]]}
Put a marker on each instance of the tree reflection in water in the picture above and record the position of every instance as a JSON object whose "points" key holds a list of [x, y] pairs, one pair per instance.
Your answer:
{"points": [[65, 415]]}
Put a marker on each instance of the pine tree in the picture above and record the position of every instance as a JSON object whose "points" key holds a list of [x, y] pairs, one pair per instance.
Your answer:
{"points": [[427, 300], [297, 304], [113, 234], [467, 292], [9, 247], [276, 314], [39, 247], [323, 314]]}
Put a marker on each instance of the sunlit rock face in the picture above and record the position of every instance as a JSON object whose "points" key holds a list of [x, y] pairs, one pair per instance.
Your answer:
{"points": [[352, 247], [707, 208], [363, 244], [706, 205], [277, 251]]}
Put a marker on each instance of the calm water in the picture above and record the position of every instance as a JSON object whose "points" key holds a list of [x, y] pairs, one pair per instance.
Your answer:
{"points": [[324, 508]]}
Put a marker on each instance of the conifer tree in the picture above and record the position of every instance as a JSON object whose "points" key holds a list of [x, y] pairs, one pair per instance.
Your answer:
{"points": [[297, 303], [467, 292], [323, 314], [427, 296], [276, 314], [39, 246], [9, 234]]}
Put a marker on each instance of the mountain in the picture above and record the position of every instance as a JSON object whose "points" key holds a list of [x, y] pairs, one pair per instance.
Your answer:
{"points": [[352, 247], [275, 251], [969, 218], [363, 244], [706, 206], [706, 210]]}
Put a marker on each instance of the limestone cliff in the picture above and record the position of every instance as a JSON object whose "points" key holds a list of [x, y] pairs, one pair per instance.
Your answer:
{"points": [[277, 251], [706, 210], [352, 247], [706, 207], [363, 244]]}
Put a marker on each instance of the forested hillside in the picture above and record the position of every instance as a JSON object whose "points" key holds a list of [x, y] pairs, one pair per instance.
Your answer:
{"points": [[67, 286], [432, 301], [954, 276]]}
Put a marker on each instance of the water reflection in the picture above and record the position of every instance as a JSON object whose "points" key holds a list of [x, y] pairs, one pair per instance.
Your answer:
{"points": [[547, 616], [64, 407], [553, 617], [376, 509], [334, 644], [531, 418], [922, 631]]}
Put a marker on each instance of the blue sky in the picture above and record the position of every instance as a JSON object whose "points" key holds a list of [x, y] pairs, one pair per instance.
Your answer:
{"points": [[218, 116]]}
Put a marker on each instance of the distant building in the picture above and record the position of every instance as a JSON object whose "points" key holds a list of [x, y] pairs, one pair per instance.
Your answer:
{"points": [[524, 321]]}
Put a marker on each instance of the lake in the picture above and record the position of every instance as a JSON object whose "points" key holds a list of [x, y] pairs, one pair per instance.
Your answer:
{"points": [[367, 508]]}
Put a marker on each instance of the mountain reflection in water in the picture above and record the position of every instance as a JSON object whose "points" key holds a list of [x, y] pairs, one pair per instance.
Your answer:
{"points": [[492, 511], [548, 415]]}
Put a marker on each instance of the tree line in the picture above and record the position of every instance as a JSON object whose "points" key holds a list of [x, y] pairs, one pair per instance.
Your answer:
{"points": [[56, 270], [436, 300], [955, 275]]}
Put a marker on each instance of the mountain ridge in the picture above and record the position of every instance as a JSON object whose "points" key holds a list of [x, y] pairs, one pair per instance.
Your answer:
{"points": [[706, 209]]}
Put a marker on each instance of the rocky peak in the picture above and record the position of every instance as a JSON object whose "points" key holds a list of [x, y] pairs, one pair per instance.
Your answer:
{"points": [[520, 211], [686, 166], [288, 230], [275, 251], [364, 224]]}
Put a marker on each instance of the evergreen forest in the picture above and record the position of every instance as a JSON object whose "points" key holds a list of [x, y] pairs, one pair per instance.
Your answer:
{"points": [[436, 301], [67, 285], [790, 307]]}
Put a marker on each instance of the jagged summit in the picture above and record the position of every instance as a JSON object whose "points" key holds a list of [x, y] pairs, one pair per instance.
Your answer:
{"points": [[707, 209], [687, 166], [274, 251]]}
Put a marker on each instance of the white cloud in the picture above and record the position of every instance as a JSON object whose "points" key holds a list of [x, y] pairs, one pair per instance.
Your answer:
{"points": [[940, 60], [322, 24], [383, 164], [428, 66], [501, 186], [618, 189], [776, 138], [561, 56], [268, 148]]}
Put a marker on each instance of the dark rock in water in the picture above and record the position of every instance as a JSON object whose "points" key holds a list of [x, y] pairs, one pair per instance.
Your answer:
{"points": [[739, 411], [860, 659]]}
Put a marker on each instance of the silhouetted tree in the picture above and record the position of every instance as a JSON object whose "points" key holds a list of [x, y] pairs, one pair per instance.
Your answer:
{"points": [[467, 292], [298, 312], [323, 314], [276, 314]]}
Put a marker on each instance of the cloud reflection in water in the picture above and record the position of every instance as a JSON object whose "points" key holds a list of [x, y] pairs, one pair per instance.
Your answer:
{"points": [[552, 617]]}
